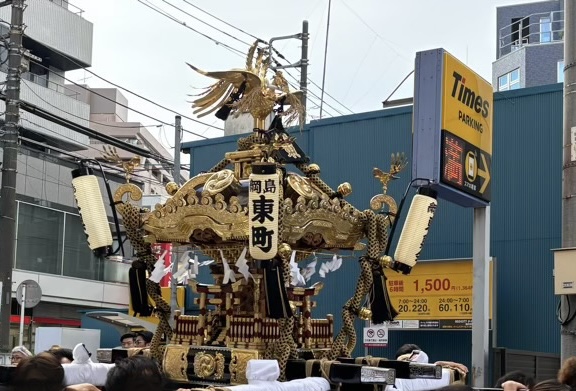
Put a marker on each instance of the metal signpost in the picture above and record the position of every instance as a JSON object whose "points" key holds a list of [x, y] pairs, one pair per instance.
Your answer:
{"points": [[452, 147], [28, 295]]}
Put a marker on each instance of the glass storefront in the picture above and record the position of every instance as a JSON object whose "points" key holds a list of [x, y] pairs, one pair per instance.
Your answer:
{"points": [[52, 241]]}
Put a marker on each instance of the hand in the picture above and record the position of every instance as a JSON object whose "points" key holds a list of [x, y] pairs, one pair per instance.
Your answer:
{"points": [[454, 365], [82, 387], [513, 386]]}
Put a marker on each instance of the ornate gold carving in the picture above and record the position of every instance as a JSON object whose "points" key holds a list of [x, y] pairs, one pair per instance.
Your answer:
{"points": [[322, 223], [206, 365], [345, 189], [284, 250], [258, 95], [398, 162], [110, 154], [378, 201], [172, 188], [220, 181], [238, 364], [175, 362], [302, 186]]}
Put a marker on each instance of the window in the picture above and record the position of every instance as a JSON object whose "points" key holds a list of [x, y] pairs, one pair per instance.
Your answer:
{"points": [[39, 242], [560, 71], [51, 241], [545, 29], [509, 81], [78, 259]]}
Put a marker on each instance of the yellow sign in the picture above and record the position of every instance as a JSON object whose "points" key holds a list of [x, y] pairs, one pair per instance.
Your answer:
{"points": [[439, 292], [467, 104]]}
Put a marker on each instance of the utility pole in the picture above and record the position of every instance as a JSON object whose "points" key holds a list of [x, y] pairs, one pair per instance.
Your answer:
{"points": [[568, 332], [176, 176], [304, 66], [9, 142], [302, 63], [325, 59]]}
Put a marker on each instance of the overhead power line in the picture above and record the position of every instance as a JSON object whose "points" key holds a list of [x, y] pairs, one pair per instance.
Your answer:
{"points": [[168, 15], [129, 108], [89, 132]]}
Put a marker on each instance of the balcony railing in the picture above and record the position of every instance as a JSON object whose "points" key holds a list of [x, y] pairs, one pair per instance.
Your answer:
{"points": [[69, 6], [538, 28]]}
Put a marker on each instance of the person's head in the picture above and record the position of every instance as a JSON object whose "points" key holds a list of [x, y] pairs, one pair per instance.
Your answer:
{"points": [[42, 372], [455, 387], [143, 339], [19, 353], [550, 385], [135, 373], [64, 355], [517, 376], [127, 340], [406, 349], [567, 373]]}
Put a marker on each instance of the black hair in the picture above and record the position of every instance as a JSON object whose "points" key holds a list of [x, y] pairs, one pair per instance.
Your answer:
{"points": [[456, 387], [42, 372], [127, 335], [135, 373], [63, 353], [517, 376], [406, 348], [146, 335]]}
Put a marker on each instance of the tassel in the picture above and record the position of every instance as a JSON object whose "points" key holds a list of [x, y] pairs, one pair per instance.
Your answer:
{"points": [[138, 294], [277, 305], [381, 306]]}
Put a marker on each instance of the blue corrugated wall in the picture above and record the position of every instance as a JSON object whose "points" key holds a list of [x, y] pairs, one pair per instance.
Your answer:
{"points": [[525, 212]]}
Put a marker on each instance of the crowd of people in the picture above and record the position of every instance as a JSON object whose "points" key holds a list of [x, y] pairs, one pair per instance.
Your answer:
{"points": [[45, 371]]}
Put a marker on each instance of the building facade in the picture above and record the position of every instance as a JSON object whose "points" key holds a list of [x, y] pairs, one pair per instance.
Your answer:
{"points": [[529, 45], [51, 246]]}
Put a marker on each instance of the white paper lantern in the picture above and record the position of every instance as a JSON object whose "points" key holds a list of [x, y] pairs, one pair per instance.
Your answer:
{"points": [[92, 211], [415, 230]]}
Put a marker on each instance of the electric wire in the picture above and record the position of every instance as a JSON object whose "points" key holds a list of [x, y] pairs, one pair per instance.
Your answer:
{"points": [[182, 23], [89, 132], [265, 42], [166, 14], [91, 146], [131, 109], [124, 89], [206, 23], [109, 125], [223, 21], [78, 157]]}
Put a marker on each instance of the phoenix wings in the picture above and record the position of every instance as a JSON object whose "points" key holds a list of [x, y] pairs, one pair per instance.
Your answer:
{"points": [[247, 91]]}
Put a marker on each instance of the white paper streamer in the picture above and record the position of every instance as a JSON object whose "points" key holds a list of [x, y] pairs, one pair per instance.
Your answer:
{"points": [[297, 279], [242, 265], [228, 272]]}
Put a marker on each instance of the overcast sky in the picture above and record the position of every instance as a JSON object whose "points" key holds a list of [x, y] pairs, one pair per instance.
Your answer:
{"points": [[371, 48]]}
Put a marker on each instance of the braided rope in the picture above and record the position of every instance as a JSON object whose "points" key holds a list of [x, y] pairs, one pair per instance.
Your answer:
{"points": [[346, 339], [131, 219]]}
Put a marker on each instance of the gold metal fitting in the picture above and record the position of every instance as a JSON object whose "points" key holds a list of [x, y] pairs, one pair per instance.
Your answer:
{"points": [[345, 189], [172, 188], [313, 168], [386, 261], [365, 313], [293, 306], [284, 251]]}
